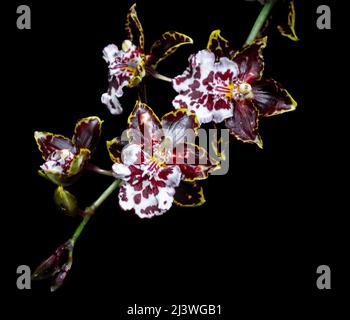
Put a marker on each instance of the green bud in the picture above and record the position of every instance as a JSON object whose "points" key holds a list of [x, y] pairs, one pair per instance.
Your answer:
{"points": [[66, 201]]}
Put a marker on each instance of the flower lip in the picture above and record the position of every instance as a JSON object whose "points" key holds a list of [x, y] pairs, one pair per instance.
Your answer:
{"points": [[58, 161]]}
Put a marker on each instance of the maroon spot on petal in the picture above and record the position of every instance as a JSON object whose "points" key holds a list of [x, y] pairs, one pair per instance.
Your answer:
{"points": [[155, 190], [186, 75], [210, 102], [185, 92], [209, 78], [163, 174], [118, 80], [161, 184], [150, 210], [155, 184], [138, 186], [135, 171], [181, 103], [137, 198], [197, 74], [195, 85], [223, 76], [202, 99], [122, 194], [196, 94], [221, 104], [147, 191]]}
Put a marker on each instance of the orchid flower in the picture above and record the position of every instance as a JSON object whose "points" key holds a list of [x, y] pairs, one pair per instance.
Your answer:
{"points": [[65, 158], [128, 65], [156, 159], [223, 85]]}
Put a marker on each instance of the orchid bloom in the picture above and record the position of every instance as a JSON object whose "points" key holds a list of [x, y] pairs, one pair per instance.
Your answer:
{"points": [[156, 159], [128, 65], [218, 88], [126, 68], [65, 158]]}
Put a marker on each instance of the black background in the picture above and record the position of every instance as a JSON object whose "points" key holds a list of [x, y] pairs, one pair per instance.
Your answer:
{"points": [[266, 226]]}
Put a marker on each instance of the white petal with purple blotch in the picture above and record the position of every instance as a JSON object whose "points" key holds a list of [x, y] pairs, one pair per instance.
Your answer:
{"points": [[123, 66], [110, 99], [205, 87], [155, 196]]}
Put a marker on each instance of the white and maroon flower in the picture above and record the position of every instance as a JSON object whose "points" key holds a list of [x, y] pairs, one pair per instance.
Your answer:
{"points": [[156, 159], [126, 69], [65, 158], [127, 66], [218, 88], [204, 87]]}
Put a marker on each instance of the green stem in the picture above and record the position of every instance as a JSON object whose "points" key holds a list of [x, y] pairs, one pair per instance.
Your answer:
{"points": [[80, 228], [89, 211], [259, 22]]}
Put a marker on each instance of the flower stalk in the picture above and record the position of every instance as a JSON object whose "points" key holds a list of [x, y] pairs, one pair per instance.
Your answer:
{"points": [[58, 265], [259, 22], [89, 211], [159, 167]]}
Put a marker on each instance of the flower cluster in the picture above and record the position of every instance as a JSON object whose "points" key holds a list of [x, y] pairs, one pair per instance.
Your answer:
{"points": [[158, 162]]}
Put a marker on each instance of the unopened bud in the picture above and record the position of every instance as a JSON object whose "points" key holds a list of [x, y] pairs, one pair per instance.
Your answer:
{"points": [[66, 201], [60, 277]]}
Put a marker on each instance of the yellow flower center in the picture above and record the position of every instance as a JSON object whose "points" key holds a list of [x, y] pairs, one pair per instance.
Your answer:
{"points": [[245, 88], [162, 153], [239, 90]]}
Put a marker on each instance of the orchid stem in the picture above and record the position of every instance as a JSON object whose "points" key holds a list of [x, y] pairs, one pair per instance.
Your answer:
{"points": [[98, 170], [259, 22], [89, 211]]}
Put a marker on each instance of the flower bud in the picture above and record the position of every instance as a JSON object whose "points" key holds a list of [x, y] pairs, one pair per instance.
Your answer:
{"points": [[58, 280], [66, 201], [56, 266]]}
